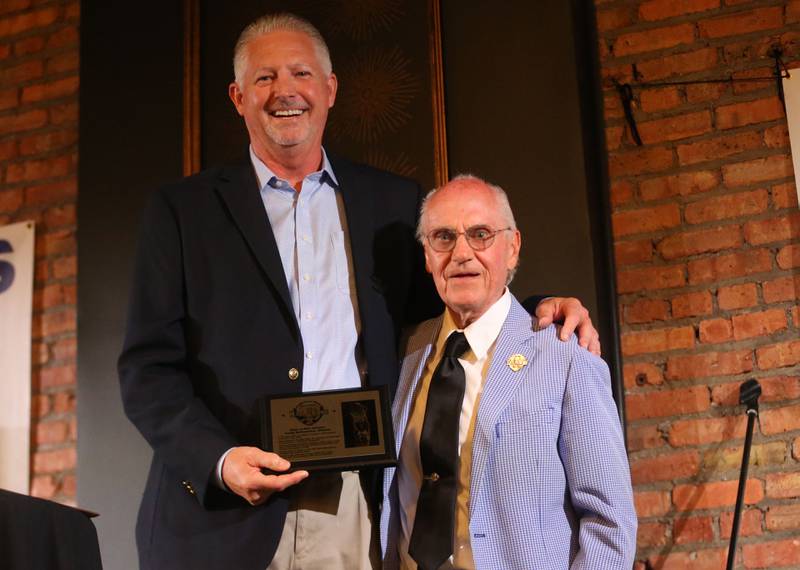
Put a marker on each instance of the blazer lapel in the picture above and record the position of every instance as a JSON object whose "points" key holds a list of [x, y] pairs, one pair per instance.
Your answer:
{"points": [[500, 387], [238, 188]]}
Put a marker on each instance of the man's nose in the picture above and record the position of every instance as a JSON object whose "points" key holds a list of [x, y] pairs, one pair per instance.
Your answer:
{"points": [[462, 250], [284, 85]]}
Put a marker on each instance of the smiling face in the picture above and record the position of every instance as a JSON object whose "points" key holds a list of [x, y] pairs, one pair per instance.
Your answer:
{"points": [[469, 281], [284, 94]]}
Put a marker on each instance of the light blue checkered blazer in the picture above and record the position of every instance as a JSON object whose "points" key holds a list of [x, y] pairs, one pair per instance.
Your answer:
{"points": [[550, 484]]}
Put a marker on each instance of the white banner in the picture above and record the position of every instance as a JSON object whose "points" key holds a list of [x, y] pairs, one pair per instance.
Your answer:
{"points": [[16, 305], [791, 96]]}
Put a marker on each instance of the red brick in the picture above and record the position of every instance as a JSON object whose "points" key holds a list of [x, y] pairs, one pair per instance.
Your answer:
{"points": [[644, 437], [729, 265], [40, 405], [57, 294], [748, 113], [52, 90], [788, 256], [612, 107], [777, 136], [718, 148], [783, 517], [9, 98], [757, 82], [686, 244], [664, 467], [737, 296], [63, 37], [748, 51], [72, 11], [23, 121], [782, 289], [742, 22], [639, 161], [10, 200], [641, 374], [29, 45], [64, 267], [32, 170], [52, 323], [653, 39], [8, 149], [795, 314], [55, 243], [749, 523], [792, 12], [22, 72], [631, 252], [51, 432], [9, 6], [680, 185], [783, 485], [784, 195], [646, 311], [613, 18], [54, 461], [642, 220], [696, 560], [56, 376], [759, 170], [614, 137], [662, 9], [60, 216], [648, 278], [691, 304], [65, 348], [652, 100], [714, 495], [651, 534], [778, 355], [63, 63], [651, 503], [51, 193], [717, 460], [727, 206], [678, 64], [689, 366], [780, 420], [692, 529], [715, 330], [772, 554], [706, 430], [675, 128], [28, 21], [773, 389], [44, 142], [64, 403], [702, 92], [44, 487], [621, 192], [64, 113], [667, 403], [657, 340], [763, 323]]}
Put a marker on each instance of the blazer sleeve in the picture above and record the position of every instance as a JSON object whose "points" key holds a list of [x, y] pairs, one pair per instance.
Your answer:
{"points": [[157, 391], [592, 448]]}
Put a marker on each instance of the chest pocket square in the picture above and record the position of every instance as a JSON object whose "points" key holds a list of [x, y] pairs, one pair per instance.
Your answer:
{"points": [[524, 421]]}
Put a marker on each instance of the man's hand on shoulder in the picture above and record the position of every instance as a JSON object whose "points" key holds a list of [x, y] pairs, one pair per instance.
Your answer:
{"points": [[241, 472], [575, 317]]}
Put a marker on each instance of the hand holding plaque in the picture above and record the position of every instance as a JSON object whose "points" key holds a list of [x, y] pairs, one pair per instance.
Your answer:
{"points": [[333, 430]]}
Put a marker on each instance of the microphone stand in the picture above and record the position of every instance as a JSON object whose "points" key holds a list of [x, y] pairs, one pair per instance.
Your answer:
{"points": [[749, 392]]}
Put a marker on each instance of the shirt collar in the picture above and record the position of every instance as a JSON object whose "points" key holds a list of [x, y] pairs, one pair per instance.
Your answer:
{"points": [[266, 176], [481, 333]]}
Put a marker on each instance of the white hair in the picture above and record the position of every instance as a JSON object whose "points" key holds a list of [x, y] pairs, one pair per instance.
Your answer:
{"points": [[503, 208], [273, 23]]}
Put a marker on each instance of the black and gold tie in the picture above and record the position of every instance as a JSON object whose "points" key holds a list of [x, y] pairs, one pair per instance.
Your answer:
{"points": [[432, 538]]}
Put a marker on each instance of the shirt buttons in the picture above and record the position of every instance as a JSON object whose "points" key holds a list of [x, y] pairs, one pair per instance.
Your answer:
{"points": [[309, 316], [306, 277], [309, 355], [293, 374]]}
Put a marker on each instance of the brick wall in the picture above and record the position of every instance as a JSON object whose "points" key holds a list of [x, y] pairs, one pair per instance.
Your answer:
{"points": [[38, 181], [707, 244]]}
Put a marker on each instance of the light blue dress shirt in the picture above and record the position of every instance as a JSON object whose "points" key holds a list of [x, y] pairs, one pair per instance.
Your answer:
{"points": [[310, 229]]}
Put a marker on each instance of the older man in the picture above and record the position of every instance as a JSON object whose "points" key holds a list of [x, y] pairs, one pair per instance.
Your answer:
{"points": [[266, 277], [511, 452]]}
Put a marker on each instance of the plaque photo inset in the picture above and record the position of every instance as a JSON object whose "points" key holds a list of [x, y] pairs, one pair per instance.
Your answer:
{"points": [[331, 430]]}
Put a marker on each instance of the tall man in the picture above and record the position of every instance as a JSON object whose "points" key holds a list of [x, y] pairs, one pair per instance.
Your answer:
{"points": [[511, 452], [293, 271]]}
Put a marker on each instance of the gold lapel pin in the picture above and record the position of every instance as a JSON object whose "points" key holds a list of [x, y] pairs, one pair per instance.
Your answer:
{"points": [[516, 362]]}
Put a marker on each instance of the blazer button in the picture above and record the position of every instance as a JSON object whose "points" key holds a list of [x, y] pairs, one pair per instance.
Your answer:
{"points": [[188, 487], [293, 374]]}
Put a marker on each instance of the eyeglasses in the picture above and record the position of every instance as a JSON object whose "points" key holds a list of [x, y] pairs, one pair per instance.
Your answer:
{"points": [[478, 238]]}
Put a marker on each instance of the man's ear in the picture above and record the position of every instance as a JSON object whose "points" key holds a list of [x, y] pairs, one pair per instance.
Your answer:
{"points": [[236, 97], [333, 86], [427, 264]]}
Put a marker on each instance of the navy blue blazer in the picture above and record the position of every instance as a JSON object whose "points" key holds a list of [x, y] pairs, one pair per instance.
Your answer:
{"points": [[211, 329]]}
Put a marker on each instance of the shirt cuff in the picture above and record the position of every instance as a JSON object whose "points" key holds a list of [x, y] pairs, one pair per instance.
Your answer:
{"points": [[218, 472]]}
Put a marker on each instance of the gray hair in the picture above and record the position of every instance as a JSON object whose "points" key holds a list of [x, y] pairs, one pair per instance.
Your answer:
{"points": [[278, 22], [503, 206]]}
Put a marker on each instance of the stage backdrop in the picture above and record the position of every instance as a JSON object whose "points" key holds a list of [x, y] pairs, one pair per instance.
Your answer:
{"points": [[16, 297]]}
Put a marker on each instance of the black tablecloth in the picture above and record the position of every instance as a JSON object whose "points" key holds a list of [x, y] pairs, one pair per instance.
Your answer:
{"points": [[36, 534]]}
